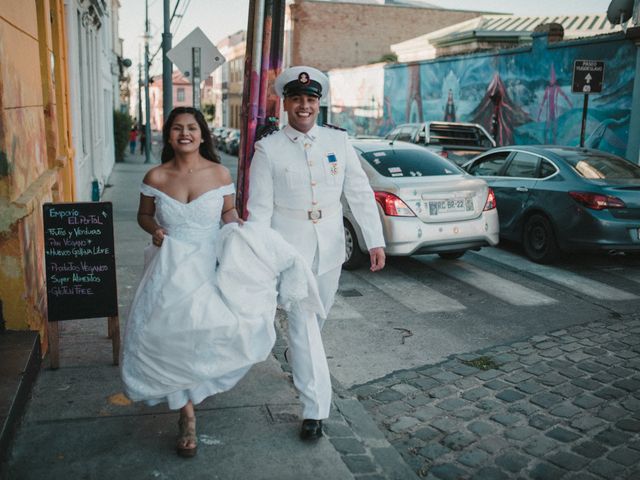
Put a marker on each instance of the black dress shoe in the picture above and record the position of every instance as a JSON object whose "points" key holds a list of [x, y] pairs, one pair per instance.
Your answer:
{"points": [[311, 429]]}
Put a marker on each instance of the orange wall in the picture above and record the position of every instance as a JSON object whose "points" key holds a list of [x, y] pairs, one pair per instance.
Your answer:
{"points": [[34, 153]]}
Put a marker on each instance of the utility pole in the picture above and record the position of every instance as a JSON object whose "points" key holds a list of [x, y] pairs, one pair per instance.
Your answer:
{"points": [[139, 91], [167, 66], [147, 103]]}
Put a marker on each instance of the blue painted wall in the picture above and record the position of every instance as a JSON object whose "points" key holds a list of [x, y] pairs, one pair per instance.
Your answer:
{"points": [[527, 89]]}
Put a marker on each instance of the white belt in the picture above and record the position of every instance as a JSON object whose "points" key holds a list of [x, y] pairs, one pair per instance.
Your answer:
{"points": [[314, 214]]}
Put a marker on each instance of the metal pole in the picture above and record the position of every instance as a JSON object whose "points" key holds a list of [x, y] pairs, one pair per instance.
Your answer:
{"points": [[147, 103], [167, 66], [584, 118], [250, 100], [266, 62], [139, 96], [196, 74]]}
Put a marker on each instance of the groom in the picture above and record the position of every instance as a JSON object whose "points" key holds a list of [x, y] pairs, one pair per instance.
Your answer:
{"points": [[297, 178]]}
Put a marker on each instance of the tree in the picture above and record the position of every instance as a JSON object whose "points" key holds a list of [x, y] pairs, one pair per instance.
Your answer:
{"points": [[209, 111], [122, 123]]}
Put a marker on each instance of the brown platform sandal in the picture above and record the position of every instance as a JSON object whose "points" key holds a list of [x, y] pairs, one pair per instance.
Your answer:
{"points": [[187, 436]]}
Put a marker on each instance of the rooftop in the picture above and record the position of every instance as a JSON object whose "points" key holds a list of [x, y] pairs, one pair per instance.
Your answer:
{"points": [[487, 28]]}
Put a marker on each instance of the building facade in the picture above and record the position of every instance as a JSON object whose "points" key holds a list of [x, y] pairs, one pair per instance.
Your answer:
{"points": [[36, 151], [353, 36], [182, 97], [56, 133], [94, 78], [228, 81]]}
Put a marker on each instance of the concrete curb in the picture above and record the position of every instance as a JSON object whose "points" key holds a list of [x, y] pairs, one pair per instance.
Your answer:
{"points": [[21, 357]]}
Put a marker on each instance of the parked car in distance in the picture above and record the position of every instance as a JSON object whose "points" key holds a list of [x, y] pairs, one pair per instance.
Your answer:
{"points": [[456, 141], [218, 135], [224, 137], [232, 142], [554, 198], [427, 204]]}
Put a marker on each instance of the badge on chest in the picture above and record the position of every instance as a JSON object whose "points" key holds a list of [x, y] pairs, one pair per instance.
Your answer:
{"points": [[333, 163]]}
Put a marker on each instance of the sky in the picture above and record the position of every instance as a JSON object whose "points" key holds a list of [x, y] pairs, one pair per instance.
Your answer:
{"points": [[220, 18]]}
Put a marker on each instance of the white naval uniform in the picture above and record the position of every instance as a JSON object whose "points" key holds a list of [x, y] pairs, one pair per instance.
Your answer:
{"points": [[296, 182]]}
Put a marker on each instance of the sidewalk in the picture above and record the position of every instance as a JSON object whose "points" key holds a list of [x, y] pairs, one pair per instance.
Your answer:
{"points": [[565, 404], [78, 424]]}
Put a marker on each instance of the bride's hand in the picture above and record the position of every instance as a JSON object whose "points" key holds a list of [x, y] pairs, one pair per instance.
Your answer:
{"points": [[158, 237], [231, 216]]}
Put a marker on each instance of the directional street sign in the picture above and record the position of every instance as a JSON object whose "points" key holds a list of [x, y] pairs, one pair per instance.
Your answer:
{"points": [[182, 54], [196, 57], [588, 76]]}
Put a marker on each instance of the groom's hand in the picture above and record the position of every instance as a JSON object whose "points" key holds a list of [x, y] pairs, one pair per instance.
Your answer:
{"points": [[377, 258]]}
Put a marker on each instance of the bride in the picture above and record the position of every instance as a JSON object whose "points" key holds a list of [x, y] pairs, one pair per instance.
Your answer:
{"points": [[195, 329]]}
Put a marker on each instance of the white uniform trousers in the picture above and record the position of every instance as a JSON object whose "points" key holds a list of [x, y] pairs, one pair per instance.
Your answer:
{"points": [[306, 351]]}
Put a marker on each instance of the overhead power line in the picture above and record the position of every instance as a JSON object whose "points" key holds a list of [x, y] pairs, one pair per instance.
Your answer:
{"points": [[173, 15]]}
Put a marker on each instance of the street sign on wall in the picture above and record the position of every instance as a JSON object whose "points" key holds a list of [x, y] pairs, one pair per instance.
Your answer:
{"points": [[588, 76]]}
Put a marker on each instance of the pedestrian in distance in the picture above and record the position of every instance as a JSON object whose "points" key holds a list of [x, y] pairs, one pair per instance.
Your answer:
{"points": [[133, 136], [297, 177], [143, 139], [194, 329]]}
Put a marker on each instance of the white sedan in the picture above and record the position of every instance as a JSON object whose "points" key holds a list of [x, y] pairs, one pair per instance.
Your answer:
{"points": [[427, 204]]}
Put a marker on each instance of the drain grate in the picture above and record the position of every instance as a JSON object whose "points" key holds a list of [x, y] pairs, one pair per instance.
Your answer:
{"points": [[350, 293]]}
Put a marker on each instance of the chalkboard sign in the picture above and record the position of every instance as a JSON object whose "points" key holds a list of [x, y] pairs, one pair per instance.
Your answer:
{"points": [[80, 260]]}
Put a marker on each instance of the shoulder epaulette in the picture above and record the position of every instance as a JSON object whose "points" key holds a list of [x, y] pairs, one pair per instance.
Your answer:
{"points": [[335, 127], [265, 130]]}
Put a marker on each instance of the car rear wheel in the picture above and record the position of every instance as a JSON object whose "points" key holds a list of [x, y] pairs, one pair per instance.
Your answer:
{"points": [[451, 255], [539, 241], [354, 257]]}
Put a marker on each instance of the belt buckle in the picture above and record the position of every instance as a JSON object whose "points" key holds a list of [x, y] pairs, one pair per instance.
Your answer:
{"points": [[314, 214]]}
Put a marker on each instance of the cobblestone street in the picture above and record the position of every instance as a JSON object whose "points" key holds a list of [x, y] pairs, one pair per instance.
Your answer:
{"points": [[563, 405]]}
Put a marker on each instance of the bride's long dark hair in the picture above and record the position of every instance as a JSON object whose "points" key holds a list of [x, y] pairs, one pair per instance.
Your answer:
{"points": [[206, 147]]}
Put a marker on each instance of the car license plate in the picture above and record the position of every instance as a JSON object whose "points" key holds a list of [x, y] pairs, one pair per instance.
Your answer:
{"points": [[450, 205]]}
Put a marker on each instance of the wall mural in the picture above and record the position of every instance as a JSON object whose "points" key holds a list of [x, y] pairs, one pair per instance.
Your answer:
{"points": [[522, 97], [356, 96]]}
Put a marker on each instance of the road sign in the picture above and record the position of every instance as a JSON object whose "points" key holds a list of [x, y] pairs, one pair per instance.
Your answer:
{"points": [[588, 76], [182, 54]]}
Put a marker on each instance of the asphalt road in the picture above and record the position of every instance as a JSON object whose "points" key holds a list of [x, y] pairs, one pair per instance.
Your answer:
{"points": [[420, 310]]}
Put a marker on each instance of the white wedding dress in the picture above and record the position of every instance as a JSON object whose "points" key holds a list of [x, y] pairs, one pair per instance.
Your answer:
{"points": [[194, 328]]}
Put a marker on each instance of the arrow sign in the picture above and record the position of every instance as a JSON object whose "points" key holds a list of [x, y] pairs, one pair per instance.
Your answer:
{"points": [[588, 76], [182, 54]]}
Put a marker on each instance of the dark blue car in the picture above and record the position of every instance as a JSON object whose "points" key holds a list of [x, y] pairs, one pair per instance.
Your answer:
{"points": [[554, 198]]}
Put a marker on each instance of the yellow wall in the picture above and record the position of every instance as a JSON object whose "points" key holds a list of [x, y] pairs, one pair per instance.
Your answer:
{"points": [[35, 153]]}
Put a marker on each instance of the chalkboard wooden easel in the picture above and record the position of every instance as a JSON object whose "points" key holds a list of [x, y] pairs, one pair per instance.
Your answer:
{"points": [[80, 268]]}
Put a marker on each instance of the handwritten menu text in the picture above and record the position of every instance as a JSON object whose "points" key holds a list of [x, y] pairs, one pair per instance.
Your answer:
{"points": [[80, 260]]}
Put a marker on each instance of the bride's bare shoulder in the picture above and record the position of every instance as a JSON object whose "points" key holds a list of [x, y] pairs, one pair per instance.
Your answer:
{"points": [[157, 176], [219, 174]]}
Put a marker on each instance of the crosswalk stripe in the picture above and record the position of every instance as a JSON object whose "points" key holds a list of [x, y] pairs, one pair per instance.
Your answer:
{"points": [[411, 293], [506, 290], [633, 275], [342, 310], [575, 282]]}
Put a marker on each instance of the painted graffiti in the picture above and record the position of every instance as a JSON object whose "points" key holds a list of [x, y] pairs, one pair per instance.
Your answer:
{"points": [[522, 96]]}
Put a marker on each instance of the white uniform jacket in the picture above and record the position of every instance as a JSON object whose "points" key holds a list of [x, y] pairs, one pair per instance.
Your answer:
{"points": [[296, 182]]}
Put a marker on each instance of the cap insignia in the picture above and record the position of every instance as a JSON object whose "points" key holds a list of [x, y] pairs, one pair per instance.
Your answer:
{"points": [[303, 78]]}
